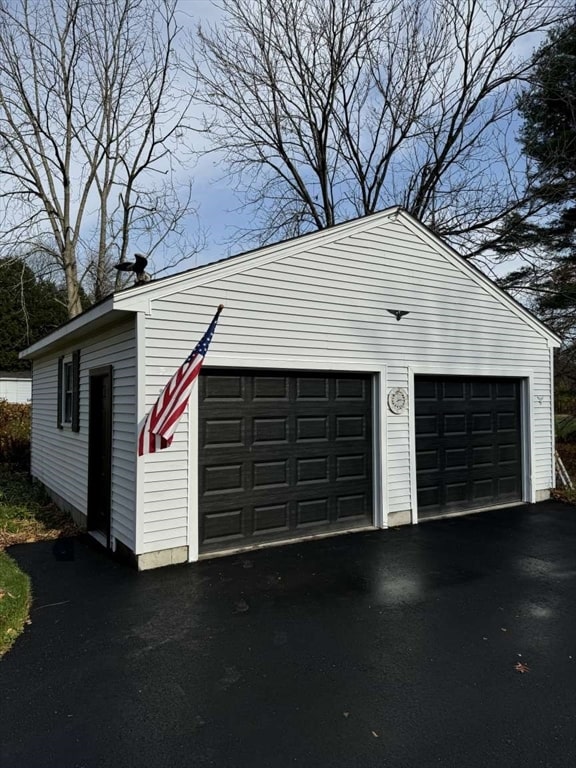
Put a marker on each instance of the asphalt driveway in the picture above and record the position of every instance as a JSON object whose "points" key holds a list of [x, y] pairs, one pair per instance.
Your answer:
{"points": [[391, 649]]}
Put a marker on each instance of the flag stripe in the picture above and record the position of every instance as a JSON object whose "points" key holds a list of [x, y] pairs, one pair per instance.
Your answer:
{"points": [[178, 396], [159, 426]]}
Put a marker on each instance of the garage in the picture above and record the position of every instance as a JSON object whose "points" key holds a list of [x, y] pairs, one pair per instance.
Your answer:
{"points": [[468, 443], [366, 375], [283, 454]]}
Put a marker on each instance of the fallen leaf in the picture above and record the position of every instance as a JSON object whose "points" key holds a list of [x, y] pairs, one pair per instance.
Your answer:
{"points": [[521, 667]]}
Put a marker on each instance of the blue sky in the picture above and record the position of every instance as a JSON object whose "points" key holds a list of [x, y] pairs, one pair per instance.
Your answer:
{"points": [[219, 213], [213, 191]]}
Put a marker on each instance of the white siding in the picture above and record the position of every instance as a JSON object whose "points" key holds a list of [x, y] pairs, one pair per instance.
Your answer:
{"points": [[60, 456], [16, 390], [328, 305], [398, 494]]}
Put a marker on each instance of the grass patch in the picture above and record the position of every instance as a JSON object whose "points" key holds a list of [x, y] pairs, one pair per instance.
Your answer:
{"points": [[26, 512], [14, 601], [26, 515]]}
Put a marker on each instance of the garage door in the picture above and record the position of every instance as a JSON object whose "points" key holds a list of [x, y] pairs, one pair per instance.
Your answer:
{"points": [[468, 444], [283, 455]]}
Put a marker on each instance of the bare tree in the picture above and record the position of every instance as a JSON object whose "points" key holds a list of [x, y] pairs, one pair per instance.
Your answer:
{"points": [[91, 116], [328, 109]]}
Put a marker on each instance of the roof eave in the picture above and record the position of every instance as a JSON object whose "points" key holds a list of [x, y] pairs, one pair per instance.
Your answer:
{"points": [[519, 309], [96, 316]]}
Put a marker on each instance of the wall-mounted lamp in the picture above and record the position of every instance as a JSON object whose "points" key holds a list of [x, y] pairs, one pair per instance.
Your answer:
{"points": [[398, 313]]}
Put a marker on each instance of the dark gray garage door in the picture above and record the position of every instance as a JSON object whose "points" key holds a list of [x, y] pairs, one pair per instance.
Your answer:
{"points": [[283, 455], [468, 444]]}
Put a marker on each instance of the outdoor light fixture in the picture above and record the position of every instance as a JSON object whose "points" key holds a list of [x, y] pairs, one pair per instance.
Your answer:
{"points": [[398, 313]]}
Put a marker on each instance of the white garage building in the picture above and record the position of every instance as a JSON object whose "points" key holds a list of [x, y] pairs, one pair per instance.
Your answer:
{"points": [[317, 410]]}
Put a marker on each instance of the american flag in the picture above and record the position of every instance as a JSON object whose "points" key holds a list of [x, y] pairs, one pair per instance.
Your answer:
{"points": [[158, 428]]}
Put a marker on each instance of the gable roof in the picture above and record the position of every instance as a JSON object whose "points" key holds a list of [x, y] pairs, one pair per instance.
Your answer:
{"points": [[137, 298]]}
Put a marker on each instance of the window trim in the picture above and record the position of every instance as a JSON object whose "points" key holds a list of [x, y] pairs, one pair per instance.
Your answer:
{"points": [[67, 390], [69, 396]]}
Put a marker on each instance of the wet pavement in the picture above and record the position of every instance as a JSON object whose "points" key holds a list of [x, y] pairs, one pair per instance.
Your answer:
{"points": [[393, 649]]}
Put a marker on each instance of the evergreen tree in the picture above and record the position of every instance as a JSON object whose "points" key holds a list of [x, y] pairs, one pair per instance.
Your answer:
{"points": [[548, 137], [30, 307], [546, 240]]}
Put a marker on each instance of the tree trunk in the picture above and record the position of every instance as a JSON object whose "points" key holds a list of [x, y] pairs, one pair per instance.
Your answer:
{"points": [[72, 284]]}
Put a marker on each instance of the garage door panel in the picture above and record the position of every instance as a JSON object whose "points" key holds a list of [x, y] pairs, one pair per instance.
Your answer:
{"points": [[453, 390], [483, 456], [311, 470], [312, 512], [351, 427], [224, 388], [270, 388], [356, 505], [426, 425], [223, 525], [269, 474], [482, 490], [456, 458], [222, 478], [295, 455], [481, 423], [311, 428], [468, 446], [271, 518], [311, 388], [480, 390], [223, 432], [266, 430], [456, 493]]}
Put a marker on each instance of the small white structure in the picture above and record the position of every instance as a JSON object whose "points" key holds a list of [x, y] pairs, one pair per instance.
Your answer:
{"points": [[318, 411], [16, 386]]}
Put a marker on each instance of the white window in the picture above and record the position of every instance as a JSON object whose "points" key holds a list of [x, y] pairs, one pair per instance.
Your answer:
{"points": [[67, 390]]}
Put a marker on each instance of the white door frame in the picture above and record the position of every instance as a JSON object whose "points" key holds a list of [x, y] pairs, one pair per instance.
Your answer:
{"points": [[526, 378], [292, 365]]}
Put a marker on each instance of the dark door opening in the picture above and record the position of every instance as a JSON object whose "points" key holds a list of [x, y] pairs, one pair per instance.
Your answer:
{"points": [[100, 451], [283, 454], [468, 443]]}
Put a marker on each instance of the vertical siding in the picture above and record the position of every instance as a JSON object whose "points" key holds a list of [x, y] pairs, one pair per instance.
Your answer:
{"points": [[60, 456], [328, 305]]}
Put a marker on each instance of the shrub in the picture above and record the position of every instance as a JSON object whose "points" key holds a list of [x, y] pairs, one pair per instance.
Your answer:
{"points": [[15, 434], [566, 429], [567, 453]]}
